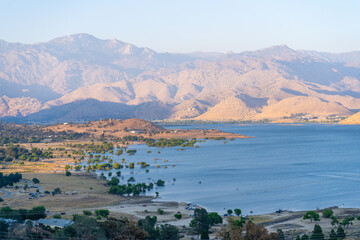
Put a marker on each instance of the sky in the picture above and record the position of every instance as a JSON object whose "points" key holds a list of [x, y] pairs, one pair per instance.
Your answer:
{"points": [[189, 25]]}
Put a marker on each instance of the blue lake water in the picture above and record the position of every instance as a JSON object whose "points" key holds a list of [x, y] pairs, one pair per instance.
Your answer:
{"points": [[293, 167]]}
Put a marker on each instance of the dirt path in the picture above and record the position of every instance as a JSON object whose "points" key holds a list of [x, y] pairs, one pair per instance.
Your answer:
{"points": [[7, 193]]}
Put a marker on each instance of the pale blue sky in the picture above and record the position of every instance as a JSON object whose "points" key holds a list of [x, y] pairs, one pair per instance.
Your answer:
{"points": [[189, 25]]}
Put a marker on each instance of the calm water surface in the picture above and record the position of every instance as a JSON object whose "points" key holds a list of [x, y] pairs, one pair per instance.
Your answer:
{"points": [[292, 167]]}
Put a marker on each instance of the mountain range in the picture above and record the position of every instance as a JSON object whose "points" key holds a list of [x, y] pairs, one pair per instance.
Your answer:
{"points": [[81, 78]]}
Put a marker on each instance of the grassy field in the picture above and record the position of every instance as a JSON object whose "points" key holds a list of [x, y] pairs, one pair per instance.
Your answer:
{"points": [[52, 165], [91, 193]]}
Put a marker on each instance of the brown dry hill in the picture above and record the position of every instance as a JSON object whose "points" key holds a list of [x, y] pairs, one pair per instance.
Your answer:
{"points": [[110, 126], [231, 108], [128, 124], [354, 119], [140, 124], [302, 105], [121, 128]]}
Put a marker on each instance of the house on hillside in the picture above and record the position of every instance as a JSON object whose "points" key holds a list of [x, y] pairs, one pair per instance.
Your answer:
{"points": [[54, 222]]}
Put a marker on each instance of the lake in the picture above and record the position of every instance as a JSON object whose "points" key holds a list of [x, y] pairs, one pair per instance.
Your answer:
{"points": [[295, 167]]}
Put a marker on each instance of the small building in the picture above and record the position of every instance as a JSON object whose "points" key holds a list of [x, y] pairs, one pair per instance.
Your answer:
{"points": [[54, 222]]}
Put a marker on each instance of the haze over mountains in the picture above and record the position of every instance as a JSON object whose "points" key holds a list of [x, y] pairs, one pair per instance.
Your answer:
{"points": [[81, 78]]}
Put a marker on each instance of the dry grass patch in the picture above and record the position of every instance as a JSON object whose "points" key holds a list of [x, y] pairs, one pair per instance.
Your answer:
{"points": [[91, 193]]}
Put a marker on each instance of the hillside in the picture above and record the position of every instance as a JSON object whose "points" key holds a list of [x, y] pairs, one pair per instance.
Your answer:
{"points": [[231, 108], [301, 106], [59, 80], [117, 128], [354, 119]]}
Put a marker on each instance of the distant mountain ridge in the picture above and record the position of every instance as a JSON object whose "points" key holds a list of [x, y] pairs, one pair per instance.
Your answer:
{"points": [[66, 73]]}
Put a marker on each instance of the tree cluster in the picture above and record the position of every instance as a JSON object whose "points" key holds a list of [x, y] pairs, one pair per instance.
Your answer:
{"points": [[162, 232], [134, 189], [12, 134], [10, 179], [22, 214]]}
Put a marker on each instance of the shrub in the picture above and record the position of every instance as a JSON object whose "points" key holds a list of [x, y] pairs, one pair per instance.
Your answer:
{"points": [[214, 218], [68, 173], [327, 213], [57, 216], [160, 182], [160, 211], [102, 212], [35, 180], [178, 216], [87, 213]]}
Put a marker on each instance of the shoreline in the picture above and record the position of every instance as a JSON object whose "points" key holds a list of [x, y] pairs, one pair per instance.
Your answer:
{"points": [[136, 208]]}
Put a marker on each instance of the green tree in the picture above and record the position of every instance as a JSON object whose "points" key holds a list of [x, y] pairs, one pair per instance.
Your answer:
{"points": [[340, 233], [347, 221], [204, 235], [214, 218], [36, 213], [35, 180], [332, 235], [67, 167], [87, 213], [317, 233], [313, 216], [334, 220], [113, 182], [102, 212], [229, 211], [168, 232], [84, 227], [57, 191], [327, 213], [237, 212], [178, 216], [148, 224], [123, 229], [304, 237], [201, 221], [4, 228], [160, 183], [280, 234], [160, 211]]}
